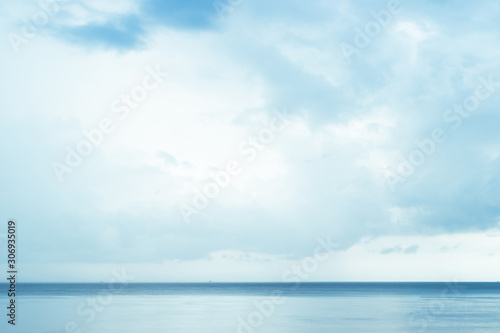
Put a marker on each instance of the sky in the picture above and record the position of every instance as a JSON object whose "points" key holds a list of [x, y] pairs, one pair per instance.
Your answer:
{"points": [[243, 140]]}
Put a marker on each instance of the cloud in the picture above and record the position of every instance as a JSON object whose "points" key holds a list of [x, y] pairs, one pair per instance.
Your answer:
{"points": [[92, 24], [391, 250], [167, 158], [412, 249], [189, 14], [325, 174], [121, 33]]}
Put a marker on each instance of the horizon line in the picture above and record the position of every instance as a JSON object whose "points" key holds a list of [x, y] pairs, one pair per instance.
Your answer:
{"points": [[248, 282]]}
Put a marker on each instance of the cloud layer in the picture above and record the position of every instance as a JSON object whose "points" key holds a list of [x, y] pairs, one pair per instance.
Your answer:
{"points": [[397, 139]]}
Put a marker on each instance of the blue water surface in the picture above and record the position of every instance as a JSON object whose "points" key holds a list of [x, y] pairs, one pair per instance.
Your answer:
{"points": [[254, 307]]}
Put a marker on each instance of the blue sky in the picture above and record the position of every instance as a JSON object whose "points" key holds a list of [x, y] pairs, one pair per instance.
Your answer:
{"points": [[390, 150]]}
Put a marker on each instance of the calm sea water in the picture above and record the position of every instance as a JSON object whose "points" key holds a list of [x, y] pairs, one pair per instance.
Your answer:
{"points": [[255, 307]]}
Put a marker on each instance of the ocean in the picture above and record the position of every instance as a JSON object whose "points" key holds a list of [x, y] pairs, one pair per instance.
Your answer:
{"points": [[254, 307]]}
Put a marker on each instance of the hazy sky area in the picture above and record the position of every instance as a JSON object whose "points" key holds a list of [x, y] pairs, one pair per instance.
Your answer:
{"points": [[193, 140]]}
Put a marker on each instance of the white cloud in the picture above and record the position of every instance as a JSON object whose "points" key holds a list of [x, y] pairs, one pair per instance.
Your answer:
{"points": [[323, 175]]}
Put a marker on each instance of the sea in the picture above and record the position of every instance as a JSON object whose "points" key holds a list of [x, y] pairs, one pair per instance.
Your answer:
{"points": [[253, 307]]}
